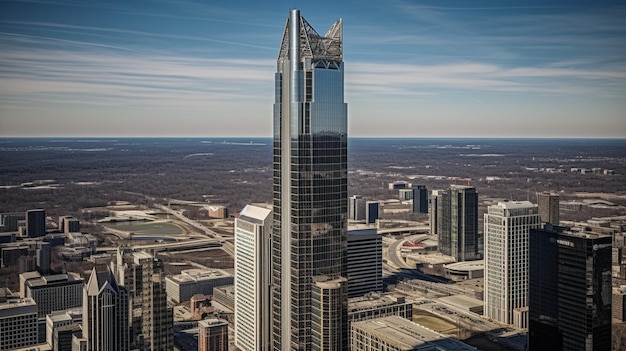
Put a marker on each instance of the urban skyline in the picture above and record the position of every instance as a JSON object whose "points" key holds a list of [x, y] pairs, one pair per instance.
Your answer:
{"points": [[122, 69]]}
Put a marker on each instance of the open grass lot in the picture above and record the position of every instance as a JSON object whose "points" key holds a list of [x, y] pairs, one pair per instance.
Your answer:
{"points": [[433, 322]]}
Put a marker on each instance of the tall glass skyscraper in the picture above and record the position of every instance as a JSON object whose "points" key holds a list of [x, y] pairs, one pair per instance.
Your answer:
{"points": [[310, 188]]}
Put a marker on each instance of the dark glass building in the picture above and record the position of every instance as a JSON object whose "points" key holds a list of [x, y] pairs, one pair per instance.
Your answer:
{"points": [[457, 222], [36, 223], [569, 290], [420, 199], [310, 187]]}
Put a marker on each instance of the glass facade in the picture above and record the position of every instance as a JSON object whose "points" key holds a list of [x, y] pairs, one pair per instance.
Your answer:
{"points": [[310, 176]]}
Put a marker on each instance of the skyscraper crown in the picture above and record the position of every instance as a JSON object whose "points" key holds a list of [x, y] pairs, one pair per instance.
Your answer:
{"points": [[314, 46]]}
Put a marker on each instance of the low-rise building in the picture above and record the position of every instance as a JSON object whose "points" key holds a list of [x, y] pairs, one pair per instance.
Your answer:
{"points": [[55, 292], [395, 333], [189, 282], [376, 305]]}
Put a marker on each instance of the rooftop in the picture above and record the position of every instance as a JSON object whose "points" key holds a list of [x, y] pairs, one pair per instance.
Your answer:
{"points": [[194, 275]]}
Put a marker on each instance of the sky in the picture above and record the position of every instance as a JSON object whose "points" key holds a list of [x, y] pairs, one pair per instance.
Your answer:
{"points": [[174, 68]]}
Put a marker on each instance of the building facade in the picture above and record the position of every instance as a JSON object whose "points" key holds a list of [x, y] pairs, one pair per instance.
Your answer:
{"points": [[548, 207], [183, 286], [105, 312], [56, 292], [212, 335], [420, 199], [18, 324], [507, 227], [457, 222], [570, 290], [36, 223], [253, 228], [310, 177], [143, 277], [365, 262], [356, 209]]}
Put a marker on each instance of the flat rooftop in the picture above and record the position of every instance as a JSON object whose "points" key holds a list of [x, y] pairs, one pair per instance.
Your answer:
{"points": [[196, 275], [407, 335], [466, 265], [373, 300]]}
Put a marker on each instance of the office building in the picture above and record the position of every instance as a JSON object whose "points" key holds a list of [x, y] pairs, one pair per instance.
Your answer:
{"points": [[183, 286], [356, 208], [69, 224], [420, 199], [143, 277], [365, 262], [18, 323], [376, 305], [9, 221], [570, 290], [372, 212], [59, 319], [62, 337], [399, 184], [310, 178], [212, 335], [35, 223], [56, 292], [507, 227], [252, 284], [105, 312], [548, 204], [43, 252], [457, 222], [329, 313], [405, 194], [433, 216], [394, 333]]}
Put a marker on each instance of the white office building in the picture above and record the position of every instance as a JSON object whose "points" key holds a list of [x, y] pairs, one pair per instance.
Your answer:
{"points": [[252, 282], [507, 229]]}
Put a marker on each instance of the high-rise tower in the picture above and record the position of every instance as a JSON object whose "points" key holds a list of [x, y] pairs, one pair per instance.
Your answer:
{"points": [[457, 222], [310, 183], [507, 227]]}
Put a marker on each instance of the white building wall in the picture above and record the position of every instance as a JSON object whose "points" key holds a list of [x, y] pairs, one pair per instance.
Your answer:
{"points": [[507, 227]]}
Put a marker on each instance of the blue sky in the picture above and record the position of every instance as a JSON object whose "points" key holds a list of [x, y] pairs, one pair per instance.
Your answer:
{"points": [[412, 68]]}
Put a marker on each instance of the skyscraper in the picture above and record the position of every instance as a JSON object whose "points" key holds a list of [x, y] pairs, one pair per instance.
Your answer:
{"points": [[252, 284], [143, 276], [507, 227], [105, 312], [457, 222], [570, 290], [548, 207], [212, 335], [36, 223], [420, 199], [310, 179]]}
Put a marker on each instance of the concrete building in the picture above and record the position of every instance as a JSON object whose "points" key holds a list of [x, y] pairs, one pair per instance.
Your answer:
{"points": [[56, 292], [356, 208], [376, 305], [59, 319], [189, 282], [570, 290], [62, 337], [69, 224], [329, 313], [252, 286], [105, 312], [399, 184], [548, 204], [212, 335], [224, 297], [619, 299], [36, 223], [310, 184], [18, 323], [365, 261], [507, 227], [394, 333], [405, 194], [420, 199], [43, 254], [457, 222]]}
